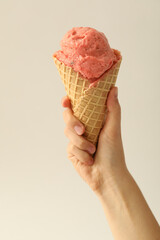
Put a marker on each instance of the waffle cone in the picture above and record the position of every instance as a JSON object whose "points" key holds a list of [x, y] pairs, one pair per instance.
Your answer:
{"points": [[88, 101]]}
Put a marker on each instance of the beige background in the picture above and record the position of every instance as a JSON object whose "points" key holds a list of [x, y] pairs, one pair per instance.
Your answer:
{"points": [[41, 196]]}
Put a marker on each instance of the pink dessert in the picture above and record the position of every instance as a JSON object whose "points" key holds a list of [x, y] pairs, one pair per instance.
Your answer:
{"points": [[87, 51]]}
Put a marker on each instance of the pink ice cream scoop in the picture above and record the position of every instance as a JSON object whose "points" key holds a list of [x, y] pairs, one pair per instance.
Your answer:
{"points": [[87, 51]]}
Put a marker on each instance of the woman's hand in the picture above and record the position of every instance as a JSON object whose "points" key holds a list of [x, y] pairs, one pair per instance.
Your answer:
{"points": [[126, 210], [108, 163]]}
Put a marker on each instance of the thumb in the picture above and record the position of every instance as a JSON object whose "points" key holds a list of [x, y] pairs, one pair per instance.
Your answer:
{"points": [[112, 125]]}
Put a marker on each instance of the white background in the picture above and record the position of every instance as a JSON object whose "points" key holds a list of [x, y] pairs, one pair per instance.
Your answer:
{"points": [[41, 195]]}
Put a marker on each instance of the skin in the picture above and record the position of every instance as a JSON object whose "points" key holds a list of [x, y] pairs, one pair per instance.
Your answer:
{"points": [[105, 171]]}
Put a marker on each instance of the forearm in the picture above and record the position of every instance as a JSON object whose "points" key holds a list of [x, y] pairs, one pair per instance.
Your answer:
{"points": [[127, 212]]}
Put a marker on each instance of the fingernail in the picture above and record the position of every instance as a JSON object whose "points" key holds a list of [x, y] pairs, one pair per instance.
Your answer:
{"points": [[78, 130], [116, 92], [91, 149]]}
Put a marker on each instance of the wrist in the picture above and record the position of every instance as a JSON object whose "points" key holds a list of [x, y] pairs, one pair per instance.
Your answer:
{"points": [[114, 183]]}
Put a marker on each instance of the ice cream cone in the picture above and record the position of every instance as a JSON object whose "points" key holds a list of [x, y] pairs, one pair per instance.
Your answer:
{"points": [[88, 101]]}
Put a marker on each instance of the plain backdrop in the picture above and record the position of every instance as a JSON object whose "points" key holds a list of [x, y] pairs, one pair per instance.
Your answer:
{"points": [[41, 195]]}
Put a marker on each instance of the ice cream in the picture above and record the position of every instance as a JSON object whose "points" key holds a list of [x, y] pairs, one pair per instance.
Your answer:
{"points": [[88, 68], [87, 51]]}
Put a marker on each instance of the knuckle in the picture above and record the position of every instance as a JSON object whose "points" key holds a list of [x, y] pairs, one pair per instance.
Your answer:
{"points": [[81, 143], [68, 117], [70, 147], [70, 153]]}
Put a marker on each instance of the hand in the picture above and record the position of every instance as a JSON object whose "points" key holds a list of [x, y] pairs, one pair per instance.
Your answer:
{"points": [[108, 163]]}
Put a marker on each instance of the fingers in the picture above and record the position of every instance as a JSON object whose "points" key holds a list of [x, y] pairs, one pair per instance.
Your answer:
{"points": [[78, 154], [69, 119], [66, 102], [112, 126], [74, 129], [72, 122], [79, 141]]}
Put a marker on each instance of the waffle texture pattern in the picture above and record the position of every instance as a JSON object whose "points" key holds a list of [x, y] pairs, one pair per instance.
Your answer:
{"points": [[88, 101]]}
